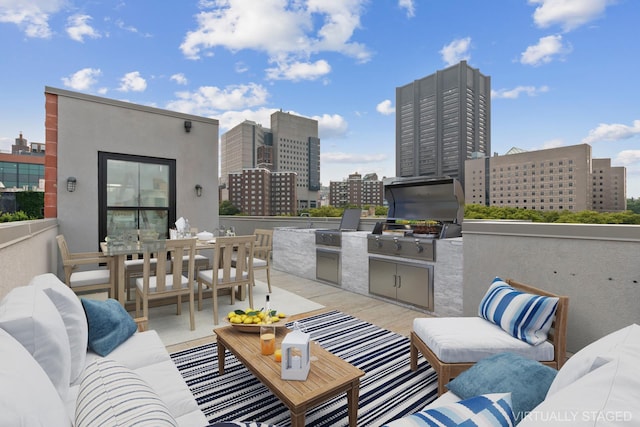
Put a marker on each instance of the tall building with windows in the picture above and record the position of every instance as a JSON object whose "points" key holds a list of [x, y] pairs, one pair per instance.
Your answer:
{"points": [[260, 192], [357, 191], [555, 179], [23, 169], [290, 145], [441, 120]]}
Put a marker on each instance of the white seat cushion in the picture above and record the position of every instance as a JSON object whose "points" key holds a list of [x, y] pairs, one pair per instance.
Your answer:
{"points": [[90, 277], [259, 263], [207, 275], [153, 282], [469, 339]]}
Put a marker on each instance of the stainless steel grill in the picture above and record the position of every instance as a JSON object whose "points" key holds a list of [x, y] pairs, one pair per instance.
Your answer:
{"points": [[328, 244], [402, 249], [420, 211]]}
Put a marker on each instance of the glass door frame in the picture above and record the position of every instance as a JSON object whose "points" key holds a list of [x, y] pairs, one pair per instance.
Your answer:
{"points": [[103, 158]]}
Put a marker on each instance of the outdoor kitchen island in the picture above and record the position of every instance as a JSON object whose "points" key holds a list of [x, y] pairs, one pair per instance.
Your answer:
{"points": [[294, 252]]}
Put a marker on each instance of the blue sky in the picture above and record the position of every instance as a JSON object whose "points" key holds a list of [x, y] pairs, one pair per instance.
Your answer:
{"points": [[563, 72]]}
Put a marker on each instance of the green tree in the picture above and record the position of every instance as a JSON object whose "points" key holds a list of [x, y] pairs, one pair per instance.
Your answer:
{"points": [[227, 208], [633, 205]]}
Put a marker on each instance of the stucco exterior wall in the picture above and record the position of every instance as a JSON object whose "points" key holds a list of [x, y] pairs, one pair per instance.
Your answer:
{"points": [[596, 266], [88, 124]]}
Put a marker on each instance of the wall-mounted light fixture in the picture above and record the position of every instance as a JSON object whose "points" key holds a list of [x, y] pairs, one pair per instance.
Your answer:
{"points": [[71, 184], [187, 126], [198, 190]]}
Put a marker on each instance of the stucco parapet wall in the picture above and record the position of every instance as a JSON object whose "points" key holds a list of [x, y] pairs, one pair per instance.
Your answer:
{"points": [[128, 105], [611, 232], [15, 232]]}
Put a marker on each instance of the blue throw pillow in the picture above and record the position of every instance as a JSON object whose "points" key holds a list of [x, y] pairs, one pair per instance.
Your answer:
{"points": [[527, 380], [527, 317], [109, 324], [491, 410]]}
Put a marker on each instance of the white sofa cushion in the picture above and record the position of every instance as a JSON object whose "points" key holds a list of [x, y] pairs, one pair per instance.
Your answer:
{"points": [[72, 313], [525, 316], [490, 410], [606, 396], [32, 319], [114, 395], [469, 339], [595, 354], [27, 396]]}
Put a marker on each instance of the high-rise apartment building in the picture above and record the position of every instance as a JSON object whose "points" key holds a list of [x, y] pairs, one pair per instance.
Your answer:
{"points": [[555, 179], [260, 192], [357, 191], [441, 120], [291, 145]]}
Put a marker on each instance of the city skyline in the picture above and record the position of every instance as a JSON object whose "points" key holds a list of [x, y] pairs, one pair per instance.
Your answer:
{"points": [[558, 68]]}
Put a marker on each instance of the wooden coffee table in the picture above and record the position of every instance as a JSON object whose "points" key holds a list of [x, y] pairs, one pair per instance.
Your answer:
{"points": [[328, 377]]}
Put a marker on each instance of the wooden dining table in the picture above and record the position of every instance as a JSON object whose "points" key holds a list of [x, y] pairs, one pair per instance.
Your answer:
{"points": [[122, 250]]}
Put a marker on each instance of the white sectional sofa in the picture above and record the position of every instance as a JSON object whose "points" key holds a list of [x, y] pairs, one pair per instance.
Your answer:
{"points": [[49, 378], [598, 386]]}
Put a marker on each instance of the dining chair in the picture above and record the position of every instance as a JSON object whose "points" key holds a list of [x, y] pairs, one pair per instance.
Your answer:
{"points": [[83, 281], [133, 266], [223, 275], [261, 253], [167, 279]]}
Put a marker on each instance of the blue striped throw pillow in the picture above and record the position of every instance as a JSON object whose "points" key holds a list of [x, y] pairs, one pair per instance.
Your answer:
{"points": [[525, 316], [113, 395], [488, 410]]}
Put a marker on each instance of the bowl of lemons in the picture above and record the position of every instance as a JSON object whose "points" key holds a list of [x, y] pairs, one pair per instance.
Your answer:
{"points": [[250, 319]]}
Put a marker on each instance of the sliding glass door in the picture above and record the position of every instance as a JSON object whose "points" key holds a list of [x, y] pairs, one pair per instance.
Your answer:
{"points": [[136, 192]]}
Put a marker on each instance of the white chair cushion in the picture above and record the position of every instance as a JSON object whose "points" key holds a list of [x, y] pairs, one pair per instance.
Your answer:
{"points": [[259, 263], [73, 316], [153, 283], [31, 318], [469, 339], [27, 396], [90, 277], [141, 349], [207, 275], [114, 395]]}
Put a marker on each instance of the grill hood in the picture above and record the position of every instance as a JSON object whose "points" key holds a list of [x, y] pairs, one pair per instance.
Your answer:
{"points": [[420, 198]]}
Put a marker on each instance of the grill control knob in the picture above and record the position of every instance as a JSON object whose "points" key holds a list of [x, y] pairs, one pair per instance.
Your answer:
{"points": [[378, 242], [397, 243], [419, 247]]}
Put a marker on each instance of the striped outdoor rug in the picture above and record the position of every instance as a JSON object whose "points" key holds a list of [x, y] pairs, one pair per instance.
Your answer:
{"points": [[388, 390]]}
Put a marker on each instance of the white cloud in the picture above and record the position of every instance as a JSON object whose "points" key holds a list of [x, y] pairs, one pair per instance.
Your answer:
{"points": [[230, 119], [82, 79], [331, 126], [515, 92], [385, 108], [78, 28], [237, 25], [409, 5], [32, 17], [296, 71], [132, 82], [628, 157], [179, 78], [544, 51], [612, 132], [241, 67], [569, 14], [210, 100], [456, 51]]}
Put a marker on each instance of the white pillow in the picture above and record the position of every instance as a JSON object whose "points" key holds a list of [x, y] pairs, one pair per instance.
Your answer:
{"points": [[592, 356], [31, 318], [27, 396], [606, 396], [114, 395], [73, 316]]}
